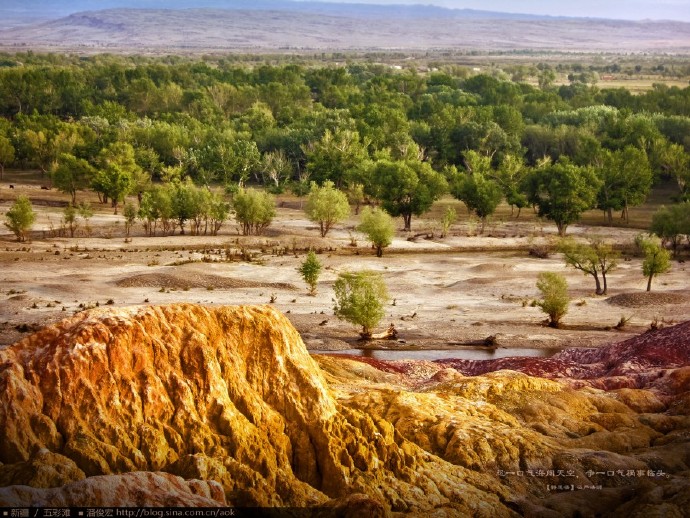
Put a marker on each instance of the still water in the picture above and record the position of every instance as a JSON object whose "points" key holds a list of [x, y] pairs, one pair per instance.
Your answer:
{"points": [[445, 354]]}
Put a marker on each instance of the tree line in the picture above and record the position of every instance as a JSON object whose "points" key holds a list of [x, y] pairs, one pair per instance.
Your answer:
{"points": [[148, 127]]}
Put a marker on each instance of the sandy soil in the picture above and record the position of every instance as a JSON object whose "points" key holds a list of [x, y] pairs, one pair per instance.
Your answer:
{"points": [[446, 293]]}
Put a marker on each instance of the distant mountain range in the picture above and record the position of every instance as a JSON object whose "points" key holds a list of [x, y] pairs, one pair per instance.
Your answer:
{"points": [[261, 25], [50, 9]]}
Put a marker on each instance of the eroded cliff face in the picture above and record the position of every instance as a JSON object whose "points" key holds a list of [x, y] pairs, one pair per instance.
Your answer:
{"points": [[224, 394], [191, 405], [615, 419]]}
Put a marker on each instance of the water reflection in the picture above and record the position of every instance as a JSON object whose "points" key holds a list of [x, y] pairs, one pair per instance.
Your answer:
{"points": [[446, 354]]}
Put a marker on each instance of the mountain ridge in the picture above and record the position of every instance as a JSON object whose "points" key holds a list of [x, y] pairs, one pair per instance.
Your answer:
{"points": [[194, 30]]}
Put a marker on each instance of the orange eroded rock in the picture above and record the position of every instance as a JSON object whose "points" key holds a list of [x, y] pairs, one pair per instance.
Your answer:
{"points": [[228, 394]]}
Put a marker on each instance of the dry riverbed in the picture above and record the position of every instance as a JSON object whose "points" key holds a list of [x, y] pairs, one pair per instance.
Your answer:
{"points": [[450, 293]]}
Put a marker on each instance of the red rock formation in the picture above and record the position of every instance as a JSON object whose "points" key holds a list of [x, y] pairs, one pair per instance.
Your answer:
{"points": [[645, 361]]}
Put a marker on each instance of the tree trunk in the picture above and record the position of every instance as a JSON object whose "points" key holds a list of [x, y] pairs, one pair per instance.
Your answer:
{"points": [[379, 251], [609, 216], [596, 280], [649, 283], [407, 219], [603, 275], [562, 227]]}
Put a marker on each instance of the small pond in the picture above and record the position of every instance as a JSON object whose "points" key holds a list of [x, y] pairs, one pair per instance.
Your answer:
{"points": [[445, 354]]}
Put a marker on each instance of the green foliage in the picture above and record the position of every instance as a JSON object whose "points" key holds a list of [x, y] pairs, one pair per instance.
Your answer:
{"points": [[310, 270], [20, 217], [130, 214], [360, 298], [555, 299], [477, 190], [218, 212], [671, 224], [156, 207], [594, 258], [562, 192], [254, 210], [379, 228], [626, 179], [69, 217], [277, 168], [657, 259], [118, 169], [449, 217], [184, 204], [6, 153], [406, 187], [72, 174], [327, 206], [338, 157]]}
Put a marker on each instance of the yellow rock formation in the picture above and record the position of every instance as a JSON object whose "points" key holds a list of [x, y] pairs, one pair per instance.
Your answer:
{"points": [[229, 397]]}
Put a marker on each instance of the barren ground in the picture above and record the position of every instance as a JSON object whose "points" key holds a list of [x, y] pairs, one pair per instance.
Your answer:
{"points": [[446, 293]]}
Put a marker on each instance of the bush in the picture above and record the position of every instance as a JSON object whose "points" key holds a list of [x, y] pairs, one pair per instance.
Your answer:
{"points": [[555, 299], [379, 228], [20, 217], [310, 270], [254, 210], [360, 297]]}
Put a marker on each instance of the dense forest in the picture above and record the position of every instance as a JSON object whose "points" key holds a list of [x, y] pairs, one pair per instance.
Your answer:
{"points": [[130, 125]]}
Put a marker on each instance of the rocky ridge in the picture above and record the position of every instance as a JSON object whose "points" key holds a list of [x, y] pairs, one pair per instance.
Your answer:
{"points": [[226, 394], [229, 399]]}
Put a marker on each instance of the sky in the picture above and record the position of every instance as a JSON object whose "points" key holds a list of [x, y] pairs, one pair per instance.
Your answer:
{"points": [[618, 9]]}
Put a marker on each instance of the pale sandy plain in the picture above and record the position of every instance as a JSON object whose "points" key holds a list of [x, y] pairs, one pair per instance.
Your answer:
{"points": [[450, 293]]}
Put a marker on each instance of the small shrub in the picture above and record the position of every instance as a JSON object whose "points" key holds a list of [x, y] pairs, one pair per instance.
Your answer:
{"points": [[360, 299], [310, 270], [555, 299]]}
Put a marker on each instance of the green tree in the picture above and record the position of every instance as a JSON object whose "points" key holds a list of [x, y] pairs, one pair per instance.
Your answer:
{"points": [[183, 203], [20, 217], [326, 206], [360, 298], [379, 228], [626, 179], [562, 192], [671, 223], [657, 259], [337, 157], [69, 217], [277, 168], [594, 258], [674, 160], [555, 299], [118, 169], [156, 207], [6, 153], [511, 175], [406, 187], [254, 210], [310, 270], [130, 214], [476, 189], [218, 212], [72, 174]]}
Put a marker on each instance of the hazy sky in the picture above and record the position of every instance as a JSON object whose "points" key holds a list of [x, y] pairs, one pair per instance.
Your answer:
{"points": [[621, 9]]}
